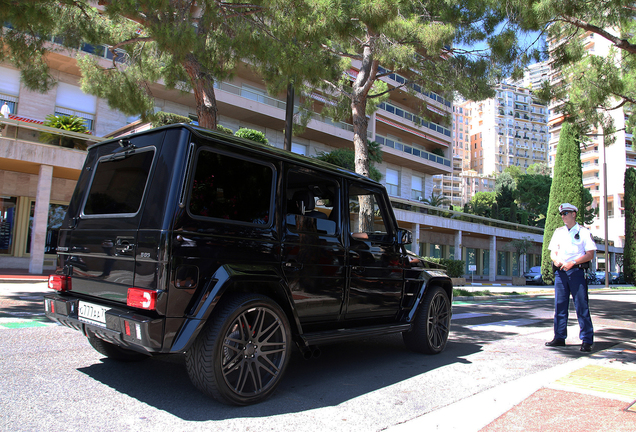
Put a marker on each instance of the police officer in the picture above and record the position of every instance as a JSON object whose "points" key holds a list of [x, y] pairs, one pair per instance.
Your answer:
{"points": [[571, 250]]}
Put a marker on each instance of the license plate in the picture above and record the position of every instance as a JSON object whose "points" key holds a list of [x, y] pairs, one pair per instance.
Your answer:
{"points": [[92, 313]]}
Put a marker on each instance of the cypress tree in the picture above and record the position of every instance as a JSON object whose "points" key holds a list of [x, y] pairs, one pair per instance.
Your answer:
{"points": [[567, 186], [629, 254]]}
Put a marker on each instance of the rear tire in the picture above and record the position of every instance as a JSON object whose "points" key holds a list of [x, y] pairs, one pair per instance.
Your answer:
{"points": [[114, 352], [431, 326], [241, 354]]}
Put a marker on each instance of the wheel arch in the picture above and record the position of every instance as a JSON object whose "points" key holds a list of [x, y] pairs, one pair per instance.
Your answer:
{"points": [[229, 280]]}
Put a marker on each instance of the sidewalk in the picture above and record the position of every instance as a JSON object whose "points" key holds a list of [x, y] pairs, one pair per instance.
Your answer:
{"points": [[23, 275]]}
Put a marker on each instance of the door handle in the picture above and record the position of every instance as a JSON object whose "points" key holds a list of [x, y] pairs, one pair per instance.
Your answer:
{"points": [[293, 266], [358, 269]]}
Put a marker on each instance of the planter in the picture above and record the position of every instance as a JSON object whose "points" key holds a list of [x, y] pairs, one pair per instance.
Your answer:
{"points": [[459, 281], [519, 280]]}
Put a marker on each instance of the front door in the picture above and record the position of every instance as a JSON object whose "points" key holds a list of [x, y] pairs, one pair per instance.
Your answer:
{"points": [[375, 258]]}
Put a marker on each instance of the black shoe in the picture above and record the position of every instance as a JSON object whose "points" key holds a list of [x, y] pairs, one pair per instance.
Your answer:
{"points": [[586, 347], [555, 343]]}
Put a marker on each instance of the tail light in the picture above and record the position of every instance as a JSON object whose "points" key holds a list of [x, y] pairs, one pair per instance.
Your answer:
{"points": [[141, 298], [60, 283]]}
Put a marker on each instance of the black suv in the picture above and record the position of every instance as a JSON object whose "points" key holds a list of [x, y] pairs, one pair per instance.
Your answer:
{"points": [[183, 240]]}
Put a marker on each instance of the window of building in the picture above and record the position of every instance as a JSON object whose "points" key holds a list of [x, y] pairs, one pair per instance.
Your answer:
{"points": [[393, 181], [300, 149], [417, 192], [7, 224], [56, 217], [436, 251], [71, 100], [9, 88]]}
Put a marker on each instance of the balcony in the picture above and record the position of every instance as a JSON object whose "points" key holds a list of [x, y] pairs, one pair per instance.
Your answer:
{"points": [[20, 145]]}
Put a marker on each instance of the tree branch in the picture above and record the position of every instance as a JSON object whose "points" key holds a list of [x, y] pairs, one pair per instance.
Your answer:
{"points": [[584, 25]]}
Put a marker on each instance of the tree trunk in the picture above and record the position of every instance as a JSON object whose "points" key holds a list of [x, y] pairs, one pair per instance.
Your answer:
{"points": [[360, 91], [203, 86]]}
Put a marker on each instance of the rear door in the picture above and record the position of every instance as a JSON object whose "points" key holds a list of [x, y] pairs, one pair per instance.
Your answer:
{"points": [[107, 210]]}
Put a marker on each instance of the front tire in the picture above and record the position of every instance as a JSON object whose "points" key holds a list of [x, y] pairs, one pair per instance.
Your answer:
{"points": [[242, 353], [431, 325]]}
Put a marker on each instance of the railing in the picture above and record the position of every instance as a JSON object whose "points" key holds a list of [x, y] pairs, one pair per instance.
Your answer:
{"points": [[417, 207], [14, 130], [277, 103]]}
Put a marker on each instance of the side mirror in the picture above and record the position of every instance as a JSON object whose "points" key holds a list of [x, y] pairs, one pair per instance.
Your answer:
{"points": [[404, 236]]}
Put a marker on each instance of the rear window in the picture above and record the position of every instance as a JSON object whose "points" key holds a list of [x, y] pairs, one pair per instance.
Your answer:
{"points": [[118, 184], [233, 189]]}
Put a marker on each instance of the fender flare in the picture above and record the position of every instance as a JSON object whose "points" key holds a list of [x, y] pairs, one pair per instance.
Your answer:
{"points": [[441, 281], [224, 280]]}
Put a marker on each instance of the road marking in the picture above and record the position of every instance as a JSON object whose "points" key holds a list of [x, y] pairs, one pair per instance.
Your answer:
{"points": [[468, 315], [515, 325], [14, 323]]}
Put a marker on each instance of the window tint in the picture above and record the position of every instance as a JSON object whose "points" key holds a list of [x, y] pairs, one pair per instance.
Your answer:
{"points": [[226, 187], [311, 203], [118, 185], [366, 218]]}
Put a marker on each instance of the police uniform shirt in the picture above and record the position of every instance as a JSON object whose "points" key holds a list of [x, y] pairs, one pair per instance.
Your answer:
{"points": [[568, 246]]}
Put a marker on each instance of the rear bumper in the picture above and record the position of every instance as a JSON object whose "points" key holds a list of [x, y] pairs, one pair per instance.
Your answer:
{"points": [[123, 328]]}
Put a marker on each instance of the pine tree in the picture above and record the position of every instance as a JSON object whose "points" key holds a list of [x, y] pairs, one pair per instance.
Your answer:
{"points": [[567, 186], [629, 249]]}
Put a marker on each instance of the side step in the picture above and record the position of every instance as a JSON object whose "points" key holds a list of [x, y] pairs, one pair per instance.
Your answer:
{"points": [[319, 338]]}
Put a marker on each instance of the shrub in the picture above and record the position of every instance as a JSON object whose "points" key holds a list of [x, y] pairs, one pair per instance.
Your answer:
{"points": [[252, 134], [224, 129], [454, 268], [163, 118], [69, 123]]}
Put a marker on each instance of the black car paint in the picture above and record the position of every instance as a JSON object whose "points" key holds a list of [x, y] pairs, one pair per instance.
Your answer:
{"points": [[366, 289]]}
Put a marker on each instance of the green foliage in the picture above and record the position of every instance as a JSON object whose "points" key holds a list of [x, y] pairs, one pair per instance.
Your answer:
{"points": [[590, 86], [533, 193], [252, 134], [567, 186], [539, 169], [437, 200], [481, 203], [163, 118], [438, 152], [227, 130], [69, 123], [345, 158], [589, 213], [629, 249], [454, 268]]}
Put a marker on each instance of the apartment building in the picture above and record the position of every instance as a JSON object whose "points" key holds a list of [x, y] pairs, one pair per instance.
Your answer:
{"points": [[42, 176], [508, 130], [595, 154]]}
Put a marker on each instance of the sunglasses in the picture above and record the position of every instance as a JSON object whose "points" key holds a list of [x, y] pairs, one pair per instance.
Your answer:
{"points": [[565, 213]]}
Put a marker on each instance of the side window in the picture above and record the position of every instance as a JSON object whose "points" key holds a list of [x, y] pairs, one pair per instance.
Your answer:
{"points": [[118, 184], [311, 203], [366, 215], [229, 188]]}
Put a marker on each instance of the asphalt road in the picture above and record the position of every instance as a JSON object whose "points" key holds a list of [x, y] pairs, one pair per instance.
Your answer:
{"points": [[52, 380]]}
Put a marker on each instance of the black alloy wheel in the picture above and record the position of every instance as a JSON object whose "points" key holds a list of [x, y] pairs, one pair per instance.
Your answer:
{"points": [[241, 356], [431, 326]]}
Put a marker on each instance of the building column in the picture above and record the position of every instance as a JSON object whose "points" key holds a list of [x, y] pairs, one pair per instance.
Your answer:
{"points": [[458, 245], [492, 270], [40, 219], [416, 239]]}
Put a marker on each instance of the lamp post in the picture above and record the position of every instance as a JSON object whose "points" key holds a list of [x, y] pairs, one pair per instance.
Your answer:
{"points": [[605, 216]]}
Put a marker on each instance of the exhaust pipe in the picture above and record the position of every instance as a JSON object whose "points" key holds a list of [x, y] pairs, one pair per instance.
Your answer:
{"points": [[311, 352]]}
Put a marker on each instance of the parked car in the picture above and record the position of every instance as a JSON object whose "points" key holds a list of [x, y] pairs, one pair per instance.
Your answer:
{"points": [[533, 276], [230, 251], [617, 278]]}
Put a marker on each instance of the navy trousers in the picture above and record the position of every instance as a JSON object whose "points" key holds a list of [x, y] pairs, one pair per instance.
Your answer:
{"points": [[574, 283]]}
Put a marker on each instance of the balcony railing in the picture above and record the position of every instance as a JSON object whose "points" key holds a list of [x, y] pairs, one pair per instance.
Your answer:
{"points": [[417, 207], [22, 131]]}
